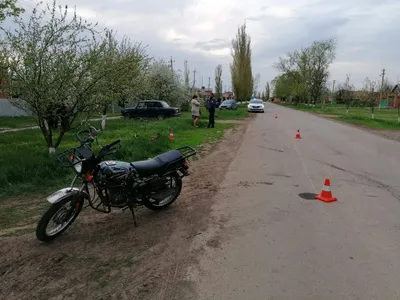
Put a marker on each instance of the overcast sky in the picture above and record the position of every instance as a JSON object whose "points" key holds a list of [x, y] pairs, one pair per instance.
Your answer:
{"points": [[200, 31]]}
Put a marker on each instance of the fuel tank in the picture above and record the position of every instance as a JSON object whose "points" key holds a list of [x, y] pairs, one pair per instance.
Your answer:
{"points": [[113, 172]]}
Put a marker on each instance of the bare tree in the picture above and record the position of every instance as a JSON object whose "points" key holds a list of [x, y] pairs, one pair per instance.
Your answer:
{"points": [[241, 70], [9, 8], [348, 92], [267, 91], [370, 95], [256, 83], [218, 82], [51, 64]]}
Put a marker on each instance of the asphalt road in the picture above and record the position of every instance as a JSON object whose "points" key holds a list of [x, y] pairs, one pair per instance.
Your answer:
{"points": [[272, 243]]}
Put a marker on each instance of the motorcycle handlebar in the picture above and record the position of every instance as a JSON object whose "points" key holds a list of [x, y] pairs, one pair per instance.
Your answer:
{"points": [[114, 143], [107, 149]]}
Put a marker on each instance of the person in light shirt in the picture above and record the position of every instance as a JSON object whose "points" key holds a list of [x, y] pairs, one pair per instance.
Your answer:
{"points": [[195, 110]]}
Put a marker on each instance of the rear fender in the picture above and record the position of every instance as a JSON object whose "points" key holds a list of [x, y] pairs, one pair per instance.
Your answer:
{"points": [[65, 192]]}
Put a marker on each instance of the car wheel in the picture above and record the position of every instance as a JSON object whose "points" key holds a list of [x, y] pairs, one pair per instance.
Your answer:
{"points": [[160, 117]]}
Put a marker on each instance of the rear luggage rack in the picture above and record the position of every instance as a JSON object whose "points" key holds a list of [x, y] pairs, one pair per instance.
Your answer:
{"points": [[187, 151], [73, 156]]}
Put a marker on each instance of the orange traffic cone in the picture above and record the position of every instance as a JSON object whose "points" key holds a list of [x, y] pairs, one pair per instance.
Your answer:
{"points": [[171, 135], [326, 194], [276, 116], [298, 135]]}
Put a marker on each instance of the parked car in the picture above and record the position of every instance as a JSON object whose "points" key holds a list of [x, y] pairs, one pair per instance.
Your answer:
{"points": [[228, 104], [256, 105], [151, 109]]}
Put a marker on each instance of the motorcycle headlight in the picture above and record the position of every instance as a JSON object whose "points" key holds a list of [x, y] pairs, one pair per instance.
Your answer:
{"points": [[78, 167]]}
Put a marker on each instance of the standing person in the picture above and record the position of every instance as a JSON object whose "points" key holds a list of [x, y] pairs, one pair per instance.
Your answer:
{"points": [[195, 110], [211, 110]]}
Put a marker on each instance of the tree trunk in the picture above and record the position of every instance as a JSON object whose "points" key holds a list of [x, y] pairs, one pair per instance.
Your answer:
{"points": [[373, 112], [104, 118], [48, 136], [52, 151]]}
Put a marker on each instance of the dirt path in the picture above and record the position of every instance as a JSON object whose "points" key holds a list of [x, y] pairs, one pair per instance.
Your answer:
{"points": [[104, 257]]}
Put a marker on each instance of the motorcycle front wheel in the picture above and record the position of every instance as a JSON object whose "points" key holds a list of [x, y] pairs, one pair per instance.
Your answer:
{"points": [[166, 197], [62, 215]]}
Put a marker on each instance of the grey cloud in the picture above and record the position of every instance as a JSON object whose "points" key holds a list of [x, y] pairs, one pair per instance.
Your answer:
{"points": [[319, 19], [355, 44], [256, 18], [213, 44]]}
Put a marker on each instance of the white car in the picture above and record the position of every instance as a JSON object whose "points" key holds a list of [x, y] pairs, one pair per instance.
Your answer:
{"points": [[256, 105]]}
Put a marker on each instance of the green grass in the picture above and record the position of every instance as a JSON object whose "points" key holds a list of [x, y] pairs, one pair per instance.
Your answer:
{"points": [[16, 122], [385, 118], [27, 170], [240, 113], [27, 121], [371, 123]]}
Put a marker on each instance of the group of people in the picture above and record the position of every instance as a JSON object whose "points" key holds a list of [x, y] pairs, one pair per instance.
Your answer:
{"points": [[211, 105]]}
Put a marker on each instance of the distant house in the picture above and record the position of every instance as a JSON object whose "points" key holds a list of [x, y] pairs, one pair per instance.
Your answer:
{"points": [[9, 110]]}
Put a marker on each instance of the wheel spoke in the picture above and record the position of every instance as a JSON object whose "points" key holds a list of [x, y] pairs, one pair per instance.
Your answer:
{"points": [[61, 219]]}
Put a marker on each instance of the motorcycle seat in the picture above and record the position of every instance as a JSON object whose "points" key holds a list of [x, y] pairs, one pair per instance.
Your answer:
{"points": [[157, 164]]}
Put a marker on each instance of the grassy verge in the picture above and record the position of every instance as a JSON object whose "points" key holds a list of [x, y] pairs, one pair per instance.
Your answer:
{"points": [[385, 118], [240, 113], [16, 122], [27, 121], [28, 172]]}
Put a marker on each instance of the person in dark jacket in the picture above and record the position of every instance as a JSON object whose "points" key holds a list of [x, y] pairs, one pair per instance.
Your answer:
{"points": [[211, 110]]}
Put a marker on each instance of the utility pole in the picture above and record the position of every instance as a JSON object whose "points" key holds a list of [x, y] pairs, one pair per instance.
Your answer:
{"points": [[172, 64], [383, 79], [194, 78], [209, 82], [201, 82]]}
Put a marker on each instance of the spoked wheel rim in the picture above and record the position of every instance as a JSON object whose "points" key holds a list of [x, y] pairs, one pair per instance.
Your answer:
{"points": [[166, 197], [62, 218]]}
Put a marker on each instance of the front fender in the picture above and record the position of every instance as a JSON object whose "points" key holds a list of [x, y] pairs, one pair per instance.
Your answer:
{"points": [[63, 193]]}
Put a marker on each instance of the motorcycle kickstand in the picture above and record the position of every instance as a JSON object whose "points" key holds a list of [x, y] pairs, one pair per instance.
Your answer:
{"points": [[132, 209]]}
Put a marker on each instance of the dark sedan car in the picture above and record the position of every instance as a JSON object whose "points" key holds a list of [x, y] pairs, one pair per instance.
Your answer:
{"points": [[228, 104], [151, 109]]}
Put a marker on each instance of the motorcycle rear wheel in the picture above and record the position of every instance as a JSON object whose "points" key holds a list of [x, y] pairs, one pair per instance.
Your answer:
{"points": [[58, 211], [161, 204]]}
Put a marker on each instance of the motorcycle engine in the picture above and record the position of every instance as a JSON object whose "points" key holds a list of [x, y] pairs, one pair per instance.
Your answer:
{"points": [[116, 196], [111, 177]]}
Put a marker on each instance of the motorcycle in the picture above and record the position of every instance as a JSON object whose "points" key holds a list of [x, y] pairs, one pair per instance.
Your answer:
{"points": [[154, 183]]}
